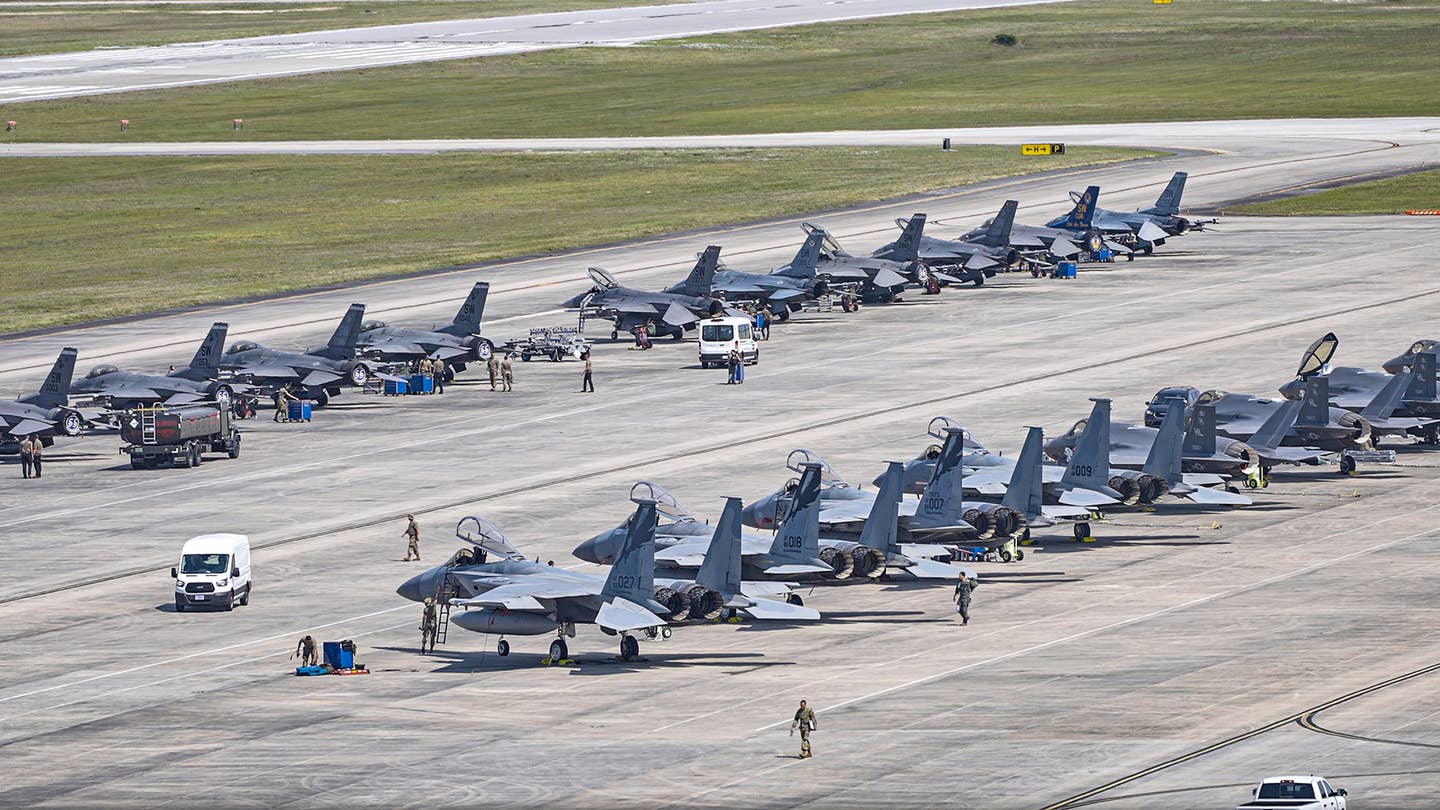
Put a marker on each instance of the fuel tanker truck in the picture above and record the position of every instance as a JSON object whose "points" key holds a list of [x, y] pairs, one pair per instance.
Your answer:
{"points": [[179, 436]]}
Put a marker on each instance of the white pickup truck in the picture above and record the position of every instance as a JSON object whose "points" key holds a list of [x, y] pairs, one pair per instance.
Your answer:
{"points": [[1295, 793]]}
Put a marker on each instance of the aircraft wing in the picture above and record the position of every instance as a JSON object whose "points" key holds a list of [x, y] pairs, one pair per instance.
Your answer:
{"points": [[1026, 240], [1086, 497], [1149, 231], [622, 614], [318, 377], [767, 588], [945, 277], [1202, 479], [396, 347], [1117, 247], [844, 511], [739, 289], [129, 392], [798, 568], [28, 426], [268, 371], [1064, 247], [1217, 497], [923, 551], [677, 315], [888, 278], [1062, 511], [184, 398], [772, 610], [638, 307], [786, 295]]}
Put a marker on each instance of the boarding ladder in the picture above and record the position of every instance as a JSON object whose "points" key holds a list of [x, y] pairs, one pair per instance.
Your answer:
{"points": [[443, 595]]}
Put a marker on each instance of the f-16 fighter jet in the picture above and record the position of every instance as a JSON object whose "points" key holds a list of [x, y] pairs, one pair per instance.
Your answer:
{"points": [[45, 413], [629, 308], [955, 261], [197, 382], [319, 372], [456, 343], [783, 292]]}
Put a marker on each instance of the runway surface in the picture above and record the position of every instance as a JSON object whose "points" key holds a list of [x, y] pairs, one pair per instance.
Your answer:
{"points": [[120, 70], [1182, 637]]}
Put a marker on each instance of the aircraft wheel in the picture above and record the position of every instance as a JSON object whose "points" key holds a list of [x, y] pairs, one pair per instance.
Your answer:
{"points": [[678, 334], [615, 335], [1347, 464], [359, 375], [652, 633], [558, 651], [980, 281], [483, 350], [1019, 555], [1251, 483], [629, 648], [1082, 531], [794, 599], [503, 648], [665, 632], [1149, 249], [322, 399], [1005, 555], [783, 315]]}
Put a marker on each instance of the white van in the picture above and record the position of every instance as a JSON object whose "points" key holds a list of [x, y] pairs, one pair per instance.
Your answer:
{"points": [[214, 571], [719, 336]]}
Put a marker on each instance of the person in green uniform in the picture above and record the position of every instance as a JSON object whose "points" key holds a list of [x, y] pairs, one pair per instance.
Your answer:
{"points": [[805, 721]]}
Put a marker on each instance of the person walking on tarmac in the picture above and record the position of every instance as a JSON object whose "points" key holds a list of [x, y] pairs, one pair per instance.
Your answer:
{"points": [[732, 362], [963, 588], [805, 721], [507, 372], [439, 368], [306, 650], [429, 627], [283, 398], [493, 366], [412, 533], [587, 382]]}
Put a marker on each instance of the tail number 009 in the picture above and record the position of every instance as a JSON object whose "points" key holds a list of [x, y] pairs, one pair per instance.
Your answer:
{"points": [[1082, 470]]}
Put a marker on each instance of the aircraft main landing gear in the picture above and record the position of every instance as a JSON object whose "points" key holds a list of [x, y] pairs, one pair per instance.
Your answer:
{"points": [[629, 648], [558, 651], [1082, 533]]}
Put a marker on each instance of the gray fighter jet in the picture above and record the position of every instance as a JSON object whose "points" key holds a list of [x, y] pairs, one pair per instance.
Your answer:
{"points": [[1065, 237], [1399, 403], [784, 293], [627, 308], [320, 373], [1151, 226], [878, 280], [517, 597], [197, 382], [45, 413], [1407, 359], [456, 343], [956, 261]]}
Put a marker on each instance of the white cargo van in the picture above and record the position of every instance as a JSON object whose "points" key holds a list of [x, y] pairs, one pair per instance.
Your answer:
{"points": [[720, 336], [214, 571]]}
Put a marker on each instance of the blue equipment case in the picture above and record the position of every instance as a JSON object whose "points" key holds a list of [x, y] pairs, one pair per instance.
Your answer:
{"points": [[422, 384], [396, 388], [1065, 270], [300, 411]]}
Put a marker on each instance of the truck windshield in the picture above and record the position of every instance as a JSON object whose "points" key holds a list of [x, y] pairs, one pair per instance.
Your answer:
{"points": [[1286, 790], [717, 332], [205, 563]]}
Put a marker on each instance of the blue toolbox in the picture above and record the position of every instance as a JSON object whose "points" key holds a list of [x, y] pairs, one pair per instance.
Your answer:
{"points": [[340, 654], [300, 411], [396, 388], [1065, 270], [422, 384]]}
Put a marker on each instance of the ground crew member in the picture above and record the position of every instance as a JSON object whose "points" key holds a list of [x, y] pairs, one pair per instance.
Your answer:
{"points": [[428, 626], [732, 362], [493, 366], [283, 398], [587, 382], [766, 316], [507, 372], [37, 451], [306, 650], [963, 589], [425, 369], [412, 532], [805, 721], [27, 457], [439, 368]]}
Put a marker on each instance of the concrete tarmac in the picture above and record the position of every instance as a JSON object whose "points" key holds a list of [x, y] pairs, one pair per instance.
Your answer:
{"points": [[1171, 663], [121, 70]]}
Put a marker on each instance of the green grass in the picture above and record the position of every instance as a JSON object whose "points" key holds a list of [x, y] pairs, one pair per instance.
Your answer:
{"points": [[90, 238], [1392, 195], [51, 29], [1092, 61]]}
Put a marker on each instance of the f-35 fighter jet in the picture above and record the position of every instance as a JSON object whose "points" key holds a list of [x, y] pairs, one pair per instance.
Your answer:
{"points": [[197, 382], [45, 413], [456, 343]]}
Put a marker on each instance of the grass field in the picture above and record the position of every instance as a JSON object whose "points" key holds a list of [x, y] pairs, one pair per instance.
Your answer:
{"points": [[1091, 61], [95, 238], [33, 29], [1393, 195]]}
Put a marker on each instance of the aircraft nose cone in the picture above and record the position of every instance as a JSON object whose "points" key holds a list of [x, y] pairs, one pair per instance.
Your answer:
{"points": [[413, 589], [588, 551], [754, 515]]}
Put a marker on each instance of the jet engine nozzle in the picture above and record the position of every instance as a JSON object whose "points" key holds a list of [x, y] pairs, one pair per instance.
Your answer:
{"points": [[982, 520], [705, 604], [1128, 488], [676, 604], [1363, 436], [842, 564], [1153, 488]]}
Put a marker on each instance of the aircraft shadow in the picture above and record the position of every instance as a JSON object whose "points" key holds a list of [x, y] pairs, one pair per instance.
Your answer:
{"points": [[1071, 547], [1042, 581]]}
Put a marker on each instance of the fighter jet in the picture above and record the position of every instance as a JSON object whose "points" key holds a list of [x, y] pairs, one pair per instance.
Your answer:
{"points": [[1403, 402], [1151, 226], [879, 280], [197, 382], [517, 597], [628, 308], [319, 372], [783, 292], [45, 413], [1201, 452], [1072, 235], [956, 261], [456, 343]]}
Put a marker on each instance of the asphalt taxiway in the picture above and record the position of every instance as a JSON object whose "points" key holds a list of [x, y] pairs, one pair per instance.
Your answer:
{"points": [[1176, 657]]}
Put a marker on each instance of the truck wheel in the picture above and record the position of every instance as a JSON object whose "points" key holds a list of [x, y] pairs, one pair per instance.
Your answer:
{"points": [[183, 460], [245, 600], [179, 605], [229, 603], [198, 454], [234, 449], [137, 463], [524, 358]]}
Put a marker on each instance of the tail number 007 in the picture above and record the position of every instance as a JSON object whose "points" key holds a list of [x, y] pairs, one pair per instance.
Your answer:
{"points": [[1082, 470], [934, 503]]}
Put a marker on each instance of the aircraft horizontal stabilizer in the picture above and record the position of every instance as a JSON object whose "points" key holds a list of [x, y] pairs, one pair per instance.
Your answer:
{"points": [[622, 614], [1218, 497], [945, 277], [923, 551], [932, 569], [765, 588], [888, 278], [772, 610], [1150, 232], [786, 295], [1062, 511], [318, 378], [28, 426], [817, 567], [676, 315], [1086, 497], [1118, 248], [979, 261], [1202, 479]]}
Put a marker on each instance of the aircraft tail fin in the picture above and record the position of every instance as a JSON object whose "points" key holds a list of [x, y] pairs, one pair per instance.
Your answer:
{"points": [[1081, 215], [807, 261], [1315, 402], [907, 247], [721, 569], [207, 357], [1168, 203], [467, 320], [1089, 466], [881, 527], [1200, 436], [1165, 460], [1422, 378], [632, 576], [798, 540], [347, 333], [1026, 491], [998, 231], [941, 502], [702, 275], [1272, 433], [55, 390], [1389, 397]]}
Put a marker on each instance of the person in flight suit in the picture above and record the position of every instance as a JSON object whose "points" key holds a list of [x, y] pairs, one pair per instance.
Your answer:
{"points": [[805, 721]]}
